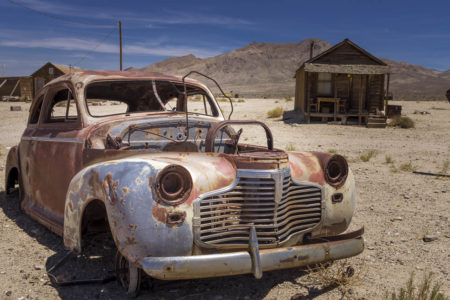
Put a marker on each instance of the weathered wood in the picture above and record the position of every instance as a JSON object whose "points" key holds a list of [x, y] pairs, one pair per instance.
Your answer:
{"points": [[360, 101], [308, 118], [346, 68], [15, 87], [357, 78]]}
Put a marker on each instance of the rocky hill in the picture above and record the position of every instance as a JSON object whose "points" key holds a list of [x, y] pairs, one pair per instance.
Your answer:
{"points": [[267, 69]]}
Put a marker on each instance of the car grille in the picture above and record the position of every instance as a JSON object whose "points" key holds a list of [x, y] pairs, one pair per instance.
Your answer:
{"points": [[278, 211]]}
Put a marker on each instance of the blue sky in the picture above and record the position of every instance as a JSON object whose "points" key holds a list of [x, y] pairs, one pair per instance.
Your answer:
{"points": [[84, 33]]}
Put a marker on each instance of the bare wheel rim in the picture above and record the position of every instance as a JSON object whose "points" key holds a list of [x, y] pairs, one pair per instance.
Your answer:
{"points": [[128, 276]]}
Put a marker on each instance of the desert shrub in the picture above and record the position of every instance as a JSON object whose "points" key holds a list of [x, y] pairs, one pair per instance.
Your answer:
{"points": [[332, 151], [275, 113], [288, 97], [241, 100], [402, 122], [425, 291], [341, 274], [389, 159], [445, 167], [406, 167], [367, 155], [290, 147]]}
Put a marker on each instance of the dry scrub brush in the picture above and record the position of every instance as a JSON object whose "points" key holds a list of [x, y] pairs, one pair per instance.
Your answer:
{"points": [[367, 155], [275, 113], [402, 122], [341, 274], [425, 291], [290, 147]]}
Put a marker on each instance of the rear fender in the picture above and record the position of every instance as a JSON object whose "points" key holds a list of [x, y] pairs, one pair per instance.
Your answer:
{"points": [[12, 161]]}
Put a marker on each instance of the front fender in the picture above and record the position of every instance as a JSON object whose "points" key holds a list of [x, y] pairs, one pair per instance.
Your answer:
{"points": [[137, 221], [336, 216]]}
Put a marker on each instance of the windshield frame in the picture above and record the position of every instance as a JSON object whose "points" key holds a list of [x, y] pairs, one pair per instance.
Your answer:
{"points": [[215, 109]]}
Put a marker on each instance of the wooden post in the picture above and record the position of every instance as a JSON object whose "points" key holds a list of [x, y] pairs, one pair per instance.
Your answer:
{"points": [[120, 40], [308, 105], [336, 104], [387, 93], [15, 87], [360, 100]]}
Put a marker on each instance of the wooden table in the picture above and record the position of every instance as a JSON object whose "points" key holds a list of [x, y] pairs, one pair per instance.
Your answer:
{"points": [[329, 100]]}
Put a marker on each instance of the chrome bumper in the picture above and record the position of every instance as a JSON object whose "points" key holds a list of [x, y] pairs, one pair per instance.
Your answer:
{"points": [[254, 261]]}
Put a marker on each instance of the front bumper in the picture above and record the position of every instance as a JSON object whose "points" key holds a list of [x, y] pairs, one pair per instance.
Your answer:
{"points": [[254, 261]]}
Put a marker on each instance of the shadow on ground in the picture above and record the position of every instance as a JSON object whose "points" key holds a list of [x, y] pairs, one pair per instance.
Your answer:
{"points": [[97, 261]]}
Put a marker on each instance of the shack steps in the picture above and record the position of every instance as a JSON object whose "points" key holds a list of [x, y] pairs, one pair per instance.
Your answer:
{"points": [[376, 122]]}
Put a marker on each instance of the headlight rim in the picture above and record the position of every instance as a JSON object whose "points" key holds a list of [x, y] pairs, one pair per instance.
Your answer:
{"points": [[335, 162], [182, 193]]}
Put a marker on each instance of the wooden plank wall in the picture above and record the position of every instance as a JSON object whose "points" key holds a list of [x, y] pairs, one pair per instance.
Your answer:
{"points": [[346, 55], [375, 92], [300, 105]]}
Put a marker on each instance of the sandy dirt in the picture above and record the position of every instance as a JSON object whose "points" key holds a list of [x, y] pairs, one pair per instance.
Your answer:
{"points": [[397, 208]]}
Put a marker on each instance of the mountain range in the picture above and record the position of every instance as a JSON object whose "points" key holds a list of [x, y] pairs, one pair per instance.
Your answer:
{"points": [[267, 70]]}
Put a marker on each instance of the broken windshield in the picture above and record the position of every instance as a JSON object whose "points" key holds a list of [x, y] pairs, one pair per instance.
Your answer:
{"points": [[107, 98]]}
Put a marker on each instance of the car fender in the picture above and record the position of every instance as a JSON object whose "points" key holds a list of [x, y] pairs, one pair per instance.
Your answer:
{"points": [[12, 161], [336, 216], [139, 223]]}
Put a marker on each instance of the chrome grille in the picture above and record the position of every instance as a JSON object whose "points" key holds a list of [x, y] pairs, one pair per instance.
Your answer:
{"points": [[277, 207]]}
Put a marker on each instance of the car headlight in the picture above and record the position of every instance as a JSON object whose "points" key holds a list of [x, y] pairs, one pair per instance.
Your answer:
{"points": [[336, 171], [173, 185]]}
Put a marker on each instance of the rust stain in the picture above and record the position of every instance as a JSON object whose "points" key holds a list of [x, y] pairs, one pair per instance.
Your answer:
{"points": [[125, 190], [317, 177], [294, 258], [130, 241], [160, 213], [296, 170], [138, 181]]}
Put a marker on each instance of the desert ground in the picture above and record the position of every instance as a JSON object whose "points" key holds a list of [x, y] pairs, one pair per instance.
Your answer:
{"points": [[396, 207]]}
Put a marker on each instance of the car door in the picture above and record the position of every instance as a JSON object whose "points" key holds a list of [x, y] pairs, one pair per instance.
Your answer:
{"points": [[26, 149], [56, 154]]}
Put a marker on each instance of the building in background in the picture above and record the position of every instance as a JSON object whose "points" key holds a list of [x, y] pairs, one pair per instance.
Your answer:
{"points": [[25, 87], [344, 84], [16, 88], [48, 72]]}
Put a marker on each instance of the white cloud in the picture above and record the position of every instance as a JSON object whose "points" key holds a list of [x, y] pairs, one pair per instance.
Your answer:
{"points": [[86, 45], [57, 9]]}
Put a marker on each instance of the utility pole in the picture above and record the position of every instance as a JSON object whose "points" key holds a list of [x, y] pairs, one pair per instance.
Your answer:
{"points": [[3, 70], [120, 38]]}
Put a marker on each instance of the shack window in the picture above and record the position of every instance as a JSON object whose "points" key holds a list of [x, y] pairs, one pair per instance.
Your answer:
{"points": [[324, 84], [62, 107], [36, 111]]}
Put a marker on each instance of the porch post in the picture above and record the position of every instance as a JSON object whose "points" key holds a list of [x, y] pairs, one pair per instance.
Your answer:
{"points": [[360, 99], [308, 106]]}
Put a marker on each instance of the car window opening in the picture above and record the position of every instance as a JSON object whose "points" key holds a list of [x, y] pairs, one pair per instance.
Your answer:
{"points": [[108, 98]]}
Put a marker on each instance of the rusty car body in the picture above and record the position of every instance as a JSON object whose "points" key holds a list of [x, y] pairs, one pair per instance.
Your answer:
{"points": [[182, 197]]}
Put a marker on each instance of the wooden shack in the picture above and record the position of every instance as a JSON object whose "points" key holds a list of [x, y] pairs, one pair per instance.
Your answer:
{"points": [[344, 84], [48, 72], [16, 87]]}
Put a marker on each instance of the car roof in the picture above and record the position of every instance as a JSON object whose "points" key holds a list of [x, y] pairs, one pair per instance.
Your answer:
{"points": [[88, 76]]}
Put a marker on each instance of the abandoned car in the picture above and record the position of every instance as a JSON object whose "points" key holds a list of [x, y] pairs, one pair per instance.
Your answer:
{"points": [[181, 194]]}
